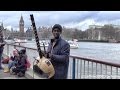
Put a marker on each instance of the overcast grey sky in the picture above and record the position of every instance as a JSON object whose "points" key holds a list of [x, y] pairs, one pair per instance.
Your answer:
{"points": [[78, 19]]}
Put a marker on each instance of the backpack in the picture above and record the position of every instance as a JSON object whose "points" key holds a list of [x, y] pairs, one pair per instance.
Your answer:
{"points": [[28, 63], [5, 60]]}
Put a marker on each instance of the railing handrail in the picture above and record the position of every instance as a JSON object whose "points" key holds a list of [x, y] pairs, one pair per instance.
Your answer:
{"points": [[22, 46], [97, 61], [83, 58]]}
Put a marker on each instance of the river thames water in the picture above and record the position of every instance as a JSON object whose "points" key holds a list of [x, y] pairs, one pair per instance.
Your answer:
{"points": [[103, 51]]}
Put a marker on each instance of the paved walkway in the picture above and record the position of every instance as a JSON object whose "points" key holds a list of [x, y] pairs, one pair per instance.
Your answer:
{"points": [[8, 76], [28, 74]]}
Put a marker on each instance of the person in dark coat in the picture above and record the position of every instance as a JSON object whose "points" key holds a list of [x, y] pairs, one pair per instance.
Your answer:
{"points": [[58, 51], [2, 44], [20, 67]]}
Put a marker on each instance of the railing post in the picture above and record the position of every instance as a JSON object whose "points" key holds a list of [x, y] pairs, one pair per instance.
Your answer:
{"points": [[73, 69], [7, 49], [14, 47]]}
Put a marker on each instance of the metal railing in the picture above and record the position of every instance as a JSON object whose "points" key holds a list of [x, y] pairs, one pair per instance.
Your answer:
{"points": [[86, 68], [79, 67]]}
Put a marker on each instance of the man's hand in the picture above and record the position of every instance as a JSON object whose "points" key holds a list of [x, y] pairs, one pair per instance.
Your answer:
{"points": [[49, 55], [43, 53]]}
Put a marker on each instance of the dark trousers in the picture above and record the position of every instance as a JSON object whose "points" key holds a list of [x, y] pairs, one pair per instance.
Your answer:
{"points": [[17, 70], [1, 52]]}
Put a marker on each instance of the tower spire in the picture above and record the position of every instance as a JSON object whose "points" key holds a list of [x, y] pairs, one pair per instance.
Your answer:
{"points": [[21, 26], [21, 19]]}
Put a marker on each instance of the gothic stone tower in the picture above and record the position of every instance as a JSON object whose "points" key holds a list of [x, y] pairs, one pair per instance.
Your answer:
{"points": [[21, 27]]}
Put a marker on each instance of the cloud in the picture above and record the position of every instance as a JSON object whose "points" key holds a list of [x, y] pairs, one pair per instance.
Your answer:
{"points": [[78, 19], [107, 16]]}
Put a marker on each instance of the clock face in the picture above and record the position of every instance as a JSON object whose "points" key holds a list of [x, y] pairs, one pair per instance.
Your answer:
{"points": [[22, 23]]}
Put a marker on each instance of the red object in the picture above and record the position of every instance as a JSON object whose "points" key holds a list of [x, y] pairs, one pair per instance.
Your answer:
{"points": [[28, 64], [6, 60]]}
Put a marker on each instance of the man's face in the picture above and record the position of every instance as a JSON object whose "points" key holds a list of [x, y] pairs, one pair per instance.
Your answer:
{"points": [[15, 53], [56, 33]]}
